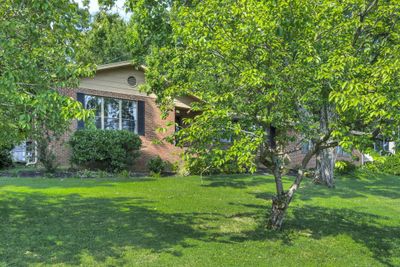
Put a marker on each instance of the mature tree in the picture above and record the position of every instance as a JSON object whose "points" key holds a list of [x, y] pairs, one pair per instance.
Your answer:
{"points": [[269, 73], [149, 26], [38, 44], [106, 40]]}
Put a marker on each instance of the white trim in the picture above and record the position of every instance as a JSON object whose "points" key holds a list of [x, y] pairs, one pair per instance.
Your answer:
{"points": [[120, 114], [102, 113], [102, 106], [119, 65], [136, 117]]}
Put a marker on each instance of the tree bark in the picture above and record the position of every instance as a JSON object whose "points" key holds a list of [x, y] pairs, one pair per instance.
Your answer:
{"points": [[325, 167], [325, 157], [280, 204]]}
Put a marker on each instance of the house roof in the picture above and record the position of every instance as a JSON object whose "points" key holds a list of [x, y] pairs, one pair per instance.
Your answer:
{"points": [[120, 64]]}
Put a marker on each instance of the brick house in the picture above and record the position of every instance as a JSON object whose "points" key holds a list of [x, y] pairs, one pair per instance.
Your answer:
{"points": [[118, 104]]}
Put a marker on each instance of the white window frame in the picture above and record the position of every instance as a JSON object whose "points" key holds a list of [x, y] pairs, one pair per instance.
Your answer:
{"points": [[120, 111]]}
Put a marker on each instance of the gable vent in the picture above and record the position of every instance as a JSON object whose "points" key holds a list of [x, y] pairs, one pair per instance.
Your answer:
{"points": [[132, 81]]}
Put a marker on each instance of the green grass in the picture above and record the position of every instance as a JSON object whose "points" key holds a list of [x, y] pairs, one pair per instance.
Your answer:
{"points": [[216, 221]]}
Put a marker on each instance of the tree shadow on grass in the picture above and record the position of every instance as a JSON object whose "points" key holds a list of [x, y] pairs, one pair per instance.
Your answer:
{"points": [[236, 181], [365, 228], [37, 228], [318, 222], [359, 184]]}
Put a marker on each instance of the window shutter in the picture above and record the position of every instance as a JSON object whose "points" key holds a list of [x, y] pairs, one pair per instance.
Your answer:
{"points": [[81, 98], [141, 117]]}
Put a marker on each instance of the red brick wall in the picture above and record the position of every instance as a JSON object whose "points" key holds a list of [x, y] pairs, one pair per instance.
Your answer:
{"points": [[153, 120], [297, 157]]}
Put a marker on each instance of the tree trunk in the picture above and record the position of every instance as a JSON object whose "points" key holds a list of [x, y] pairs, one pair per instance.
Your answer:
{"points": [[325, 167], [280, 204], [325, 157], [281, 201]]}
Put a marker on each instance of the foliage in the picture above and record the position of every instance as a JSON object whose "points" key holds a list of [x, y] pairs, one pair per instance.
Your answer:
{"points": [[104, 149], [38, 44], [105, 41], [51, 122], [385, 164], [263, 70], [46, 155], [124, 174], [343, 167], [156, 165], [149, 27], [201, 166], [5, 157]]}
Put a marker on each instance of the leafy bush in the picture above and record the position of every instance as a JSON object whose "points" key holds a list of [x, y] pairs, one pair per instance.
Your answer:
{"points": [[201, 166], [46, 155], [156, 165], [385, 164], [104, 149], [5, 157], [124, 174], [344, 167]]}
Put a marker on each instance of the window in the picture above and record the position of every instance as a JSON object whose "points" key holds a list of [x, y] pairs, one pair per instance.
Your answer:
{"points": [[113, 114], [94, 103]]}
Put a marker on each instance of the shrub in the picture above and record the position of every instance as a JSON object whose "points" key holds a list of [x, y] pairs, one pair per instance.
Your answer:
{"points": [[385, 164], [124, 174], [156, 165], [46, 155], [200, 166], [391, 165], [344, 167], [5, 157], [104, 149]]}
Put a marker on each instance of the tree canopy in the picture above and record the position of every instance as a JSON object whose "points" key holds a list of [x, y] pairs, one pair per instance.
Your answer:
{"points": [[263, 72], [106, 40], [38, 46], [149, 27]]}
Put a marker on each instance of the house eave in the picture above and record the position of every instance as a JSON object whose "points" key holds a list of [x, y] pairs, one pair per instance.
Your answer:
{"points": [[119, 65]]}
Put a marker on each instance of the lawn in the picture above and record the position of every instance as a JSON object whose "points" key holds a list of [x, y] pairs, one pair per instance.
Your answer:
{"points": [[189, 221]]}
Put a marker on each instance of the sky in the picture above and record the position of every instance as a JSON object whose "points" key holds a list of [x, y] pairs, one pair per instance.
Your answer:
{"points": [[94, 7]]}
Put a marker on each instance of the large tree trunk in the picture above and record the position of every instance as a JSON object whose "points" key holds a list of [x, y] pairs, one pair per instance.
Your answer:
{"points": [[325, 167], [325, 157]]}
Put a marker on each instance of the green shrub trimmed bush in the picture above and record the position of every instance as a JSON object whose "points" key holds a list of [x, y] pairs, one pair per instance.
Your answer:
{"points": [[104, 149], [344, 167], [156, 165]]}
